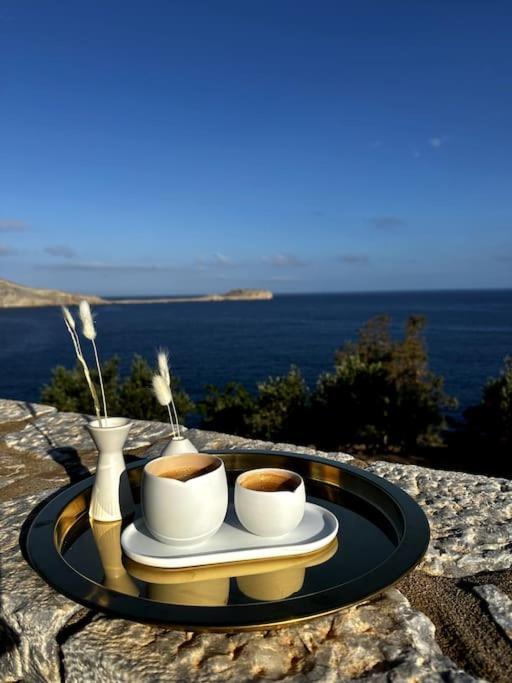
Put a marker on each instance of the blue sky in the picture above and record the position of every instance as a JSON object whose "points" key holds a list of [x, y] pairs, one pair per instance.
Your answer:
{"points": [[183, 147]]}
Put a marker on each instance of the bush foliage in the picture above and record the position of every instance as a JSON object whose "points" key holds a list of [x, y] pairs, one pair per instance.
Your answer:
{"points": [[131, 397], [380, 396], [276, 412], [487, 427]]}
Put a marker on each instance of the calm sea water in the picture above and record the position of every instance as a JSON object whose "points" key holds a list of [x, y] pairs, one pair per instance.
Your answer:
{"points": [[468, 335]]}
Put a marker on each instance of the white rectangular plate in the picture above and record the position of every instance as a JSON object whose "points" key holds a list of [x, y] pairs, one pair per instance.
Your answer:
{"points": [[232, 543]]}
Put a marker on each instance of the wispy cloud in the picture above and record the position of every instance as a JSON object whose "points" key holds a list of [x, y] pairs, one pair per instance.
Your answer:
{"points": [[387, 222], [285, 278], [436, 142], [60, 250], [5, 251], [8, 225], [354, 259], [217, 259], [284, 261], [100, 267], [222, 259]]}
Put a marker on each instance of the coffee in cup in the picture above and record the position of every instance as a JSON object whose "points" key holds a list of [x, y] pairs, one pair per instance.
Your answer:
{"points": [[270, 480]]}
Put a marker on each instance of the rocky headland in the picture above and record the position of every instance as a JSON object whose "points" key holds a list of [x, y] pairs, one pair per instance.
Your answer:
{"points": [[448, 620], [13, 295]]}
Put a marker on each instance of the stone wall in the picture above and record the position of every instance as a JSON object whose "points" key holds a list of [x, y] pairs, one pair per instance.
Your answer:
{"points": [[450, 619]]}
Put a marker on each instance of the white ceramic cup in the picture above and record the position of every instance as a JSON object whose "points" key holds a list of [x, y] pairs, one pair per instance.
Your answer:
{"points": [[184, 512], [270, 513]]}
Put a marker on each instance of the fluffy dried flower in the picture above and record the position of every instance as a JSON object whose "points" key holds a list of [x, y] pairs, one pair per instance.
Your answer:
{"points": [[68, 317], [161, 390], [163, 365], [88, 329]]}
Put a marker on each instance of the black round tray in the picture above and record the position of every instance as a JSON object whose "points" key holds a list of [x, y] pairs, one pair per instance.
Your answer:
{"points": [[383, 535]]}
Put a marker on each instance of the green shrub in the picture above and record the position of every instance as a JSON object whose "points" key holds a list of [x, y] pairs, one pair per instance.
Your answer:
{"points": [[487, 427], [68, 390], [282, 408], [382, 395], [132, 397], [278, 410], [227, 410]]}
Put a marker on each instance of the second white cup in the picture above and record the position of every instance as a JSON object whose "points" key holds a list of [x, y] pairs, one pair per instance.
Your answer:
{"points": [[270, 501]]}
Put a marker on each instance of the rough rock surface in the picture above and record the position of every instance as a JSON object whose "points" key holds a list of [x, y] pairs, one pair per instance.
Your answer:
{"points": [[380, 636], [65, 431], [470, 517], [499, 604], [16, 411], [46, 637], [32, 614]]}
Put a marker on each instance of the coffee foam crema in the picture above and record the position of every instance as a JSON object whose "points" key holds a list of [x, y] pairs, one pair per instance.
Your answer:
{"points": [[183, 467], [270, 481]]}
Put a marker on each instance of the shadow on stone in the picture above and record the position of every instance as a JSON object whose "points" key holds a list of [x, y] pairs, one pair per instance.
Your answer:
{"points": [[29, 408], [63, 455], [8, 638], [71, 462]]}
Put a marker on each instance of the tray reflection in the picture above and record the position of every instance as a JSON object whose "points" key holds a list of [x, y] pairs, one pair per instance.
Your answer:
{"points": [[383, 533], [260, 580], [94, 550]]}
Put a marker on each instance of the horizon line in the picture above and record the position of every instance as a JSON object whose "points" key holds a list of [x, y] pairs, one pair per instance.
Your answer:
{"points": [[325, 292]]}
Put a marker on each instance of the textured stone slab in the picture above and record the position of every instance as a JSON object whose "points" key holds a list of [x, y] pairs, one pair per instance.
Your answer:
{"points": [[499, 605], [31, 613], [384, 638], [10, 470], [46, 637], [67, 431], [16, 411], [204, 440], [470, 517]]}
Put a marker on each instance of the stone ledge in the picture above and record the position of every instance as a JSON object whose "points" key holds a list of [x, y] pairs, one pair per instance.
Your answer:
{"points": [[49, 638], [470, 517], [17, 411]]}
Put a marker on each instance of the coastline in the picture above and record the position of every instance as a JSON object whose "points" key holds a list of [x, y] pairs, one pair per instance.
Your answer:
{"points": [[193, 299], [14, 295]]}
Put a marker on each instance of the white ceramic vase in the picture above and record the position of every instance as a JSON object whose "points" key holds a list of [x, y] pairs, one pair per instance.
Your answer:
{"points": [[111, 498], [178, 445]]}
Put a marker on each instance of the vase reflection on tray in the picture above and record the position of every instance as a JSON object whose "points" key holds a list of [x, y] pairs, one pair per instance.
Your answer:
{"points": [[107, 537]]}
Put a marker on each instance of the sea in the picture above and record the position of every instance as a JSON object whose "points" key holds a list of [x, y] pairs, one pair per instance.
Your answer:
{"points": [[468, 334]]}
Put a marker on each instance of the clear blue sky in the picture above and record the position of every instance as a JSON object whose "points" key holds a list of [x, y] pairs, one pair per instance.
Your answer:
{"points": [[166, 147]]}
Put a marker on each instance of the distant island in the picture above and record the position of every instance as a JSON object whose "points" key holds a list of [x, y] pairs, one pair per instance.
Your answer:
{"points": [[232, 295], [13, 295]]}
